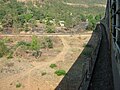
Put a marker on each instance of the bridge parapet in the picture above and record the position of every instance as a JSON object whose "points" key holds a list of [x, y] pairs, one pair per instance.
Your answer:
{"points": [[113, 28], [111, 22]]}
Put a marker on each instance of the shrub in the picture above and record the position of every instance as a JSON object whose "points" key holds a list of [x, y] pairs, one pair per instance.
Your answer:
{"points": [[7, 40], [23, 43], [60, 72], [83, 18], [91, 26], [35, 43], [90, 17], [3, 49], [43, 73], [43, 45], [98, 17], [49, 42], [53, 65], [10, 55], [18, 85], [37, 54], [7, 21], [50, 29], [48, 21]]}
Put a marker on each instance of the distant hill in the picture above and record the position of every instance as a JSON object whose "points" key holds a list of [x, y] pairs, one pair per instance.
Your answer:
{"points": [[25, 14]]}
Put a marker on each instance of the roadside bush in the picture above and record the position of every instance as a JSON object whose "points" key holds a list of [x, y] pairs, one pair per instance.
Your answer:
{"points": [[60, 72], [3, 49]]}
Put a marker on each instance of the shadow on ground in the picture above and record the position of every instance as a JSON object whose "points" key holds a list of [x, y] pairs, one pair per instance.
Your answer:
{"points": [[72, 79]]}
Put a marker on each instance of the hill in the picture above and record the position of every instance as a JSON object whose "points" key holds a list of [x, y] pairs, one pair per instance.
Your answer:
{"points": [[25, 14]]}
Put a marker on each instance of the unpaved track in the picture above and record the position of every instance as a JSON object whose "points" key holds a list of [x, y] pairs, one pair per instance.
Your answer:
{"points": [[60, 57], [41, 35]]}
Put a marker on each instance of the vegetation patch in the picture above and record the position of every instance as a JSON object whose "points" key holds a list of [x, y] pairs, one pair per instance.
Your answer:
{"points": [[53, 65], [20, 43], [60, 72], [3, 49], [35, 45], [18, 85], [47, 43], [10, 55], [43, 73], [20, 16], [50, 29]]}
